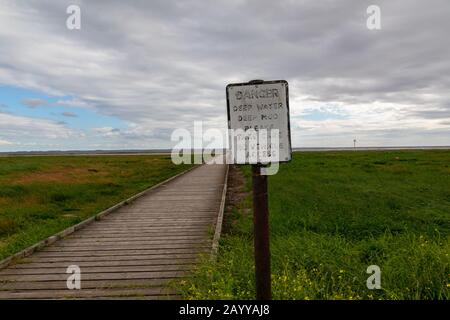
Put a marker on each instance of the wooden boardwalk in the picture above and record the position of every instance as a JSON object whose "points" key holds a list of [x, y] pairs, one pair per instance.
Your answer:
{"points": [[134, 251]]}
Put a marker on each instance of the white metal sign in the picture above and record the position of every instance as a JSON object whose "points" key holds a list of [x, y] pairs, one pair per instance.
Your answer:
{"points": [[258, 116]]}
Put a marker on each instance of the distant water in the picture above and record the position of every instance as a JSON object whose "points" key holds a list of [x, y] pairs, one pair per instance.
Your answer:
{"points": [[168, 151], [375, 148]]}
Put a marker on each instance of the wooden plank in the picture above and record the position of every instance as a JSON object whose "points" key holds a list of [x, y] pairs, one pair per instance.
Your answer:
{"points": [[165, 218], [137, 238], [130, 245], [127, 242], [149, 209], [187, 193], [183, 234], [174, 230], [155, 227], [94, 276], [187, 230], [156, 233], [146, 298], [86, 284], [89, 293], [161, 228], [117, 253], [149, 217], [156, 224], [134, 218], [199, 195], [119, 247], [130, 257], [159, 220], [101, 269], [162, 263]]}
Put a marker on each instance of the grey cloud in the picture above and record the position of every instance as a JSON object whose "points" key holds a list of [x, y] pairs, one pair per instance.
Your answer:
{"points": [[434, 114], [162, 64], [33, 103], [69, 114]]}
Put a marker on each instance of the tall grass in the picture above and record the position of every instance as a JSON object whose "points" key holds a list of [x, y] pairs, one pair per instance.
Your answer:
{"points": [[40, 196], [333, 214]]}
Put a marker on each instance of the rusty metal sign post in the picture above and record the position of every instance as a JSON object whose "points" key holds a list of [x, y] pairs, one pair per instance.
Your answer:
{"points": [[256, 105], [261, 234]]}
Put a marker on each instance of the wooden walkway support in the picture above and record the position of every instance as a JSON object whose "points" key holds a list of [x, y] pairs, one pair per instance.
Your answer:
{"points": [[134, 251]]}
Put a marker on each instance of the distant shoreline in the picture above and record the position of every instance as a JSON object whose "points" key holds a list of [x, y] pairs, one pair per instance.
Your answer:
{"points": [[375, 148], [168, 151]]}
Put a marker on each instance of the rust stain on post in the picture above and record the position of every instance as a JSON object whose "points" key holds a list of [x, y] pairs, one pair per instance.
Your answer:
{"points": [[261, 234]]}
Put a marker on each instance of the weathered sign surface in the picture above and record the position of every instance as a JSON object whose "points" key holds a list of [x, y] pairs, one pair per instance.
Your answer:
{"points": [[253, 107]]}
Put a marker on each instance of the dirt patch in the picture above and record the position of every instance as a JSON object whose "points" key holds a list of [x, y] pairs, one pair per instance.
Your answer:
{"points": [[7, 226], [62, 174], [69, 216], [3, 201], [236, 203], [236, 187]]}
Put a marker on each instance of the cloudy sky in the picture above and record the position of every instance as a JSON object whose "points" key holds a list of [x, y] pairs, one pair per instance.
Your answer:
{"points": [[137, 70]]}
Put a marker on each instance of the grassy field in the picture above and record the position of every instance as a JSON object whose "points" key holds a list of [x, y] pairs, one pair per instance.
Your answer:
{"points": [[332, 214], [40, 196]]}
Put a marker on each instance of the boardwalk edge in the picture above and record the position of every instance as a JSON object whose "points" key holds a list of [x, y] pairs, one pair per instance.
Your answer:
{"points": [[218, 228]]}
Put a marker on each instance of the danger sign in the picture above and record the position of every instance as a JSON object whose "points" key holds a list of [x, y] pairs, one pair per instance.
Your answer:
{"points": [[258, 116]]}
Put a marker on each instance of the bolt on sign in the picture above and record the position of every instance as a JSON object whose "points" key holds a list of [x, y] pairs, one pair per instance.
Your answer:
{"points": [[258, 120]]}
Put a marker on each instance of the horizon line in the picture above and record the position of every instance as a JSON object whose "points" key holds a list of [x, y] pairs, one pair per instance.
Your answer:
{"points": [[168, 150]]}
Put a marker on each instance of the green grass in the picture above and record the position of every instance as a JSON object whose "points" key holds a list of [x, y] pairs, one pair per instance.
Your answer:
{"points": [[40, 196], [332, 214]]}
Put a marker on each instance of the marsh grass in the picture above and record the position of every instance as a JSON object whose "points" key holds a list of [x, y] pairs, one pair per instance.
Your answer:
{"points": [[40, 196], [332, 214]]}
